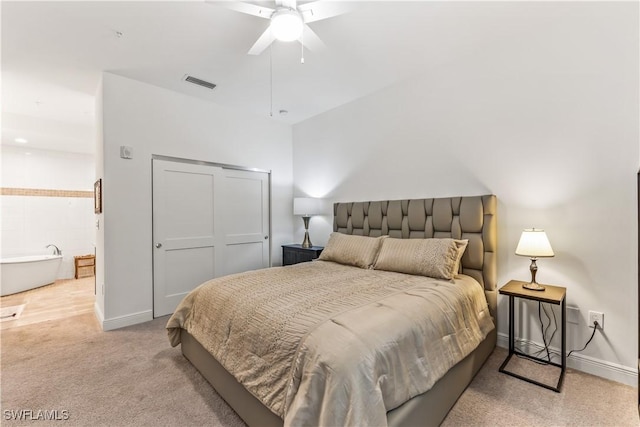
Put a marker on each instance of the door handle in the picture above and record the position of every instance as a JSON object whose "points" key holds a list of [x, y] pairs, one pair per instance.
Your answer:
{"points": [[266, 237], [158, 245]]}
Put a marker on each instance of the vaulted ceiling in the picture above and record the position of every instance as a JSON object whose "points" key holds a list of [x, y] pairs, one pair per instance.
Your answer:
{"points": [[53, 54]]}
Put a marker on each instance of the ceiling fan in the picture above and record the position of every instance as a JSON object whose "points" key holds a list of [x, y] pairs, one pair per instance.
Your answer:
{"points": [[289, 20]]}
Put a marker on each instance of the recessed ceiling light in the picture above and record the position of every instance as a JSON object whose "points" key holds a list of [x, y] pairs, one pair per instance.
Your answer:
{"points": [[21, 140], [27, 153]]}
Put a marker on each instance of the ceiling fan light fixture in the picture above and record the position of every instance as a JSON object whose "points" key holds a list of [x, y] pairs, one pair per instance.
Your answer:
{"points": [[286, 25]]}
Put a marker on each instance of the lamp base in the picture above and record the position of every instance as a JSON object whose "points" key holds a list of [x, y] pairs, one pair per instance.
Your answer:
{"points": [[306, 243], [533, 286]]}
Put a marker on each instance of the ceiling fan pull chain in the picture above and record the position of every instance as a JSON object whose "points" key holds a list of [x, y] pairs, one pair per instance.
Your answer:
{"points": [[270, 82], [302, 47]]}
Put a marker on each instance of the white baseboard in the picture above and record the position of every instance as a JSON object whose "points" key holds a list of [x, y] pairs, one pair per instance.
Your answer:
{"points": [[601, 368], [127, 320], [98, 312]]}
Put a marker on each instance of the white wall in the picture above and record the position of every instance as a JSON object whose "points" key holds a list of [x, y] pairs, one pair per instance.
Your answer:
{"points": [[161, 122], [31, 222], [546, 118]]}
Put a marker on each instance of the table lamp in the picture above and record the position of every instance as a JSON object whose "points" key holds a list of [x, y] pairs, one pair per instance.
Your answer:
{"points": [[307, 207], [534, 244]]}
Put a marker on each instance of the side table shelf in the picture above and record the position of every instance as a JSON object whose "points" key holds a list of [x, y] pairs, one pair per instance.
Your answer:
{"points": [[552, 295]]}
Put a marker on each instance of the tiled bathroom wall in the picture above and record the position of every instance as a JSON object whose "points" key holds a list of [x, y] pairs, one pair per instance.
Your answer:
{"points": [[47, 197]]}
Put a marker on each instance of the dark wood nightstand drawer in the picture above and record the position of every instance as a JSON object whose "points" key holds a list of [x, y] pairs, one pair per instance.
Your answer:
{"points": [[294, 254]]}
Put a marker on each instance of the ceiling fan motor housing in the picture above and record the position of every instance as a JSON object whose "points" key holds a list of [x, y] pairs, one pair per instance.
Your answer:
{"points": [[286, 24]]}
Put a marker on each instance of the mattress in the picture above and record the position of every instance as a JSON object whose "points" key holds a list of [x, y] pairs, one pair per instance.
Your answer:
{"points": [[322, 343]]}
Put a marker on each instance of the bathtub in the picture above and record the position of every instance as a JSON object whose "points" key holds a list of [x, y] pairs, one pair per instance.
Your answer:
{"points": [[27, 272]]}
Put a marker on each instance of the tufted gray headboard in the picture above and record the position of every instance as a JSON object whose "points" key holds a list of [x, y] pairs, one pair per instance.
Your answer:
{"points": [[472, 218]]}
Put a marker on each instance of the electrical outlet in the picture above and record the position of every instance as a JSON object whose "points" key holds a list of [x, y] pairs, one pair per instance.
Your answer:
{"points": [[596, 316]]}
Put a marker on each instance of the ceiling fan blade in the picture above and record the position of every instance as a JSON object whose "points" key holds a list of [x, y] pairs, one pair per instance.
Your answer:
{"points": [[311, 41], [317, 10], [248, 8], [262, 43]]}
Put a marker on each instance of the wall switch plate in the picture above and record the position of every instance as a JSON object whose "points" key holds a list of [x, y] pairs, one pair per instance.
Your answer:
{"points": [[573, 315], [126, 152]]}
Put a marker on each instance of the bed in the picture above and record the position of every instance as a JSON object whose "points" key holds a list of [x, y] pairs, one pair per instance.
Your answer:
{"points": [[333, 354]]}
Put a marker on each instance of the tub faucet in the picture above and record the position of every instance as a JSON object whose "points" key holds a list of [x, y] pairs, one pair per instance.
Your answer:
{"points": [[56, 251]]}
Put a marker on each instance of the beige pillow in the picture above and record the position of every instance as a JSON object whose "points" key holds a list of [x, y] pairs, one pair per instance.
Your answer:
{"points": [[438, 258], [462, 246], [359, 251]]}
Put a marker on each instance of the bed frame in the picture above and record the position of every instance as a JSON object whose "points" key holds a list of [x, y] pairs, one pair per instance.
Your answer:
{"points": [[472, 218]]}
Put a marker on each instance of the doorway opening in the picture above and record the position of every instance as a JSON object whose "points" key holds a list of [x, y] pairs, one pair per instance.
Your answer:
{"points": [[48, 220]]}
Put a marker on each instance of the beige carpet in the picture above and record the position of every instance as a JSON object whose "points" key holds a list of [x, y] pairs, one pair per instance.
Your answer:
{"points": [[497, 399], [132, 377], [129, 377]]}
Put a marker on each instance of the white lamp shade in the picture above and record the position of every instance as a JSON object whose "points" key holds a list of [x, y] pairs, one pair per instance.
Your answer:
{"points": [[286, 25], [534, 243], [307, 206]]}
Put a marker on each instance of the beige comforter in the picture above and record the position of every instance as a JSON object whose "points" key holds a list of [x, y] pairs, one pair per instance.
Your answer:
{"points": [[325, 344]]}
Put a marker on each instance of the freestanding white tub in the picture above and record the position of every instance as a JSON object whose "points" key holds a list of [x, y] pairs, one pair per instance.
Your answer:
{"points": [[28, 272]]}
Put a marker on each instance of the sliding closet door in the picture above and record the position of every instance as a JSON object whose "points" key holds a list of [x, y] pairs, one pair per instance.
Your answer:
{"points": [[184, 252], [245, 214], [208, 221]]}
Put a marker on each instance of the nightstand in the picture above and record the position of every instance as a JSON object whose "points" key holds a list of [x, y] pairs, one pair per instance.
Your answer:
{"points": [[552, 295], [293, 254]]}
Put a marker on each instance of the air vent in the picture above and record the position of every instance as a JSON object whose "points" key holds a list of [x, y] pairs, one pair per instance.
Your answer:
{"points": [[199, 82]]}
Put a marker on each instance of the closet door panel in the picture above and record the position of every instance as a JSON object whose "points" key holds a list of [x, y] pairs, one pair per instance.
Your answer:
{"points": [[245, 213], [184, 238], [208, 221]]}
